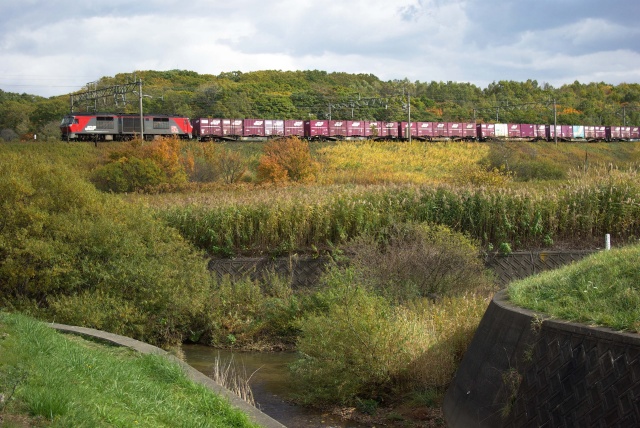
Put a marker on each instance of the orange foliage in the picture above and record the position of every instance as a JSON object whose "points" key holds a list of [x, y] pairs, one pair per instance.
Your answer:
{"points": [[569, 110], [287, 159]]}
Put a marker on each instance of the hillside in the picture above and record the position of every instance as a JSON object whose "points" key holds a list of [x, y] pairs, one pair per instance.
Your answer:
{"points": [[318, 94]]}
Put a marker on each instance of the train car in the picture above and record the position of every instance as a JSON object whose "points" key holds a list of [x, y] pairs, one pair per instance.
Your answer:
{"points": [[90, 127], [156, 126], [408, 130], [206, 129], [486, 131], [356, 129], [426, 131], [595, 133], [613, 133], [252, 128], [540, 132], [469, 131], [521, 131], [373, 129], [316, 129], [578, 132], [390, 130], [273, 128], [440, 130], [109, 127], [337, 129], [294, 128]]}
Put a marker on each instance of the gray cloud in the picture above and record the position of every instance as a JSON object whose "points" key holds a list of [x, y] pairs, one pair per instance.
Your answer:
{"points": [[54, 47]]}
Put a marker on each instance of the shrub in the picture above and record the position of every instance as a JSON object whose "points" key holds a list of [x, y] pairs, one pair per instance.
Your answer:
{"points": [[71, 254], [249, 313], [357, 346], [136, 166], [353, 349], [287, 159], [418, 260], [128, 175]]}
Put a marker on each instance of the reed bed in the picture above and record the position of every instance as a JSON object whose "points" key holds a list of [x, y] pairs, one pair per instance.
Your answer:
{"points": [[298, 219]]}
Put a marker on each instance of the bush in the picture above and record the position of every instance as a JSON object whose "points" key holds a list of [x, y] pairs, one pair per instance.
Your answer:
{"points": [[249, 313], [287, 159], [357, 346], [71, 254], [353, 349], [128, 175], [418, 260], [136, 166]]}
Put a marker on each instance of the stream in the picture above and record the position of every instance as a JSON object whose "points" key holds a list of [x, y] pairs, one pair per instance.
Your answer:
{"points": [[268, 372]]}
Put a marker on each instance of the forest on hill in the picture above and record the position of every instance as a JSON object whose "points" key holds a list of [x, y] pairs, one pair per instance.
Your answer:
{"points": [[315, 94]]}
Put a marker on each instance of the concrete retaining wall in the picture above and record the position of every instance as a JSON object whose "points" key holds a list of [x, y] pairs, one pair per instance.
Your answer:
{"points": [[522, 370], [254, 414]]}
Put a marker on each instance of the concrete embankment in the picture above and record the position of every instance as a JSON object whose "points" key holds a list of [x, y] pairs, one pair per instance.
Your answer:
{"points": [[524, 370]]}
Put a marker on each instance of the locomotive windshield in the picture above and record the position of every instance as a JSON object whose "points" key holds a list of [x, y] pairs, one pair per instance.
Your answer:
{"points": [[68, 120]]}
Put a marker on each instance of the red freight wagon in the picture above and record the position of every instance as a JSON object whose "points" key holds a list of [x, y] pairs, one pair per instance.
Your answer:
{"points": [[425, 130], [273, 128], [405, 129], [595, 133], [469, 131], [232, 127], [540, 132], [635, 133], [211, 129], [486, 130], [613, 133], [521, 130], [527, 130], [373, 129], [455, 129], [316, 129], [513, 130], [563, 132], [205, 128], [440, 129], [355, 128], [294, 128], [389, 130], [253, 128], [337, 128], [625, 132]]}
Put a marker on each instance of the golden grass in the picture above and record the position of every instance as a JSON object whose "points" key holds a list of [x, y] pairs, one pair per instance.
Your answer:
{"points": [[372, 162]]}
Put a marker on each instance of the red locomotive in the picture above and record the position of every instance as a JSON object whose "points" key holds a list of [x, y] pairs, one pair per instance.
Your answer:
{"points": [[118, 127]]}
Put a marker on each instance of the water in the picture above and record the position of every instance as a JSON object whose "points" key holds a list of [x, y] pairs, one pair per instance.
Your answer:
{"points": [[268, 373]]}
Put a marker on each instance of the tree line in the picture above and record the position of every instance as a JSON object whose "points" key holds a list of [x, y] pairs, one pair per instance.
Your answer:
{"points": [[315, 94]]}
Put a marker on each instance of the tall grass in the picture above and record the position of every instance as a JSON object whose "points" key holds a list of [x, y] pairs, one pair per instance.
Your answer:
{"points": [[276, 220]]}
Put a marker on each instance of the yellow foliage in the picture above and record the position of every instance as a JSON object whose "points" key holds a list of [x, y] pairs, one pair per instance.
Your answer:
{"points": [[372, 162]]}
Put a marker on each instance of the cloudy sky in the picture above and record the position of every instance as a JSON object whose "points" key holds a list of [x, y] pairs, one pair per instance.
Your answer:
{"points": [[53, 47]]}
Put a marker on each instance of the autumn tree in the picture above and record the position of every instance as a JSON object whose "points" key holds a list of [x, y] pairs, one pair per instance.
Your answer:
{"points": [[287, 159]]}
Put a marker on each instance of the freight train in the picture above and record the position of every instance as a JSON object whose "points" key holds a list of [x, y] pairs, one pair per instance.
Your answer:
{"points": [[109, 127]]}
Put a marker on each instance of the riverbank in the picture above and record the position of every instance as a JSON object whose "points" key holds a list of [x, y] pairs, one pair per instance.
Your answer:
{"points": [[51, 379]]}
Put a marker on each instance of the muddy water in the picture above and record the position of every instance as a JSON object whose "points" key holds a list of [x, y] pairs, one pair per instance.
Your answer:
{"points": [[268, 373]]}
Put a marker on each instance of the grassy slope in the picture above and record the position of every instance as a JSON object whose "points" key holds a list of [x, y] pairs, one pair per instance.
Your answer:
{"points": [[603, 289], [65, 381]]}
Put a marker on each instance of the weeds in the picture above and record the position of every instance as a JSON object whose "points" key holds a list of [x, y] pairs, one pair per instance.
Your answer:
{"points": [[236, 382]]}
